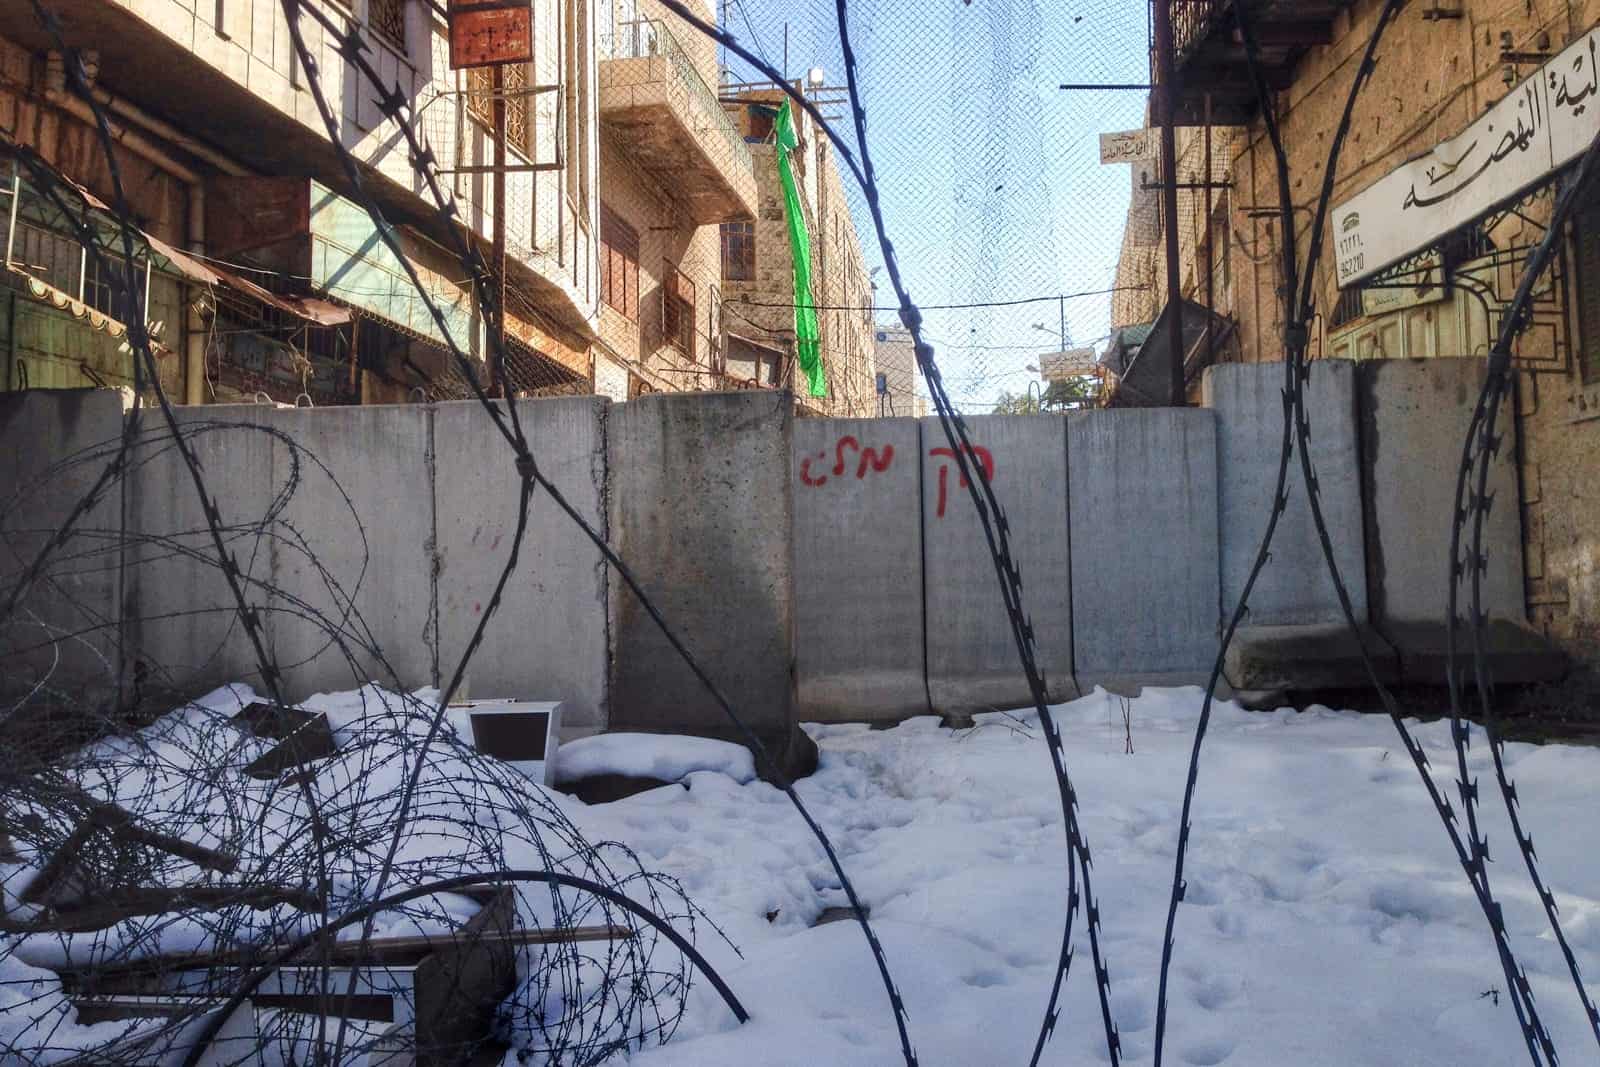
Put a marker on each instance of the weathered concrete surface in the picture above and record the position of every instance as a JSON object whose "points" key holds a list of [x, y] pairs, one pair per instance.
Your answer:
{"points": [[1320, 656], [549, 639], [1414, 418], [702, 510], [858, 570], [1145, 577], [329, 516], [1294, 588], [352, 561], [972, 656], [56, 445], [182, 618], [1513, 654]]}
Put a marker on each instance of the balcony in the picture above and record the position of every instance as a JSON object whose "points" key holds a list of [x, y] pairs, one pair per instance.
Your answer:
{"points": [[669, 120], [1211, 55]]}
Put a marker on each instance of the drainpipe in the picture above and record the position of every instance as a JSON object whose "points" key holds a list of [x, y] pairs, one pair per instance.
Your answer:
{"points": [[56, 92], [168, 132]]}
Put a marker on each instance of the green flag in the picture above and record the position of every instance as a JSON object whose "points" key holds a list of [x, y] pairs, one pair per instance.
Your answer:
{"points": [[808, 344]]}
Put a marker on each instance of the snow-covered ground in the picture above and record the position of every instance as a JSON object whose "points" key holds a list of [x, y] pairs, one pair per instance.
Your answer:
{"points": [[1327, 921]]}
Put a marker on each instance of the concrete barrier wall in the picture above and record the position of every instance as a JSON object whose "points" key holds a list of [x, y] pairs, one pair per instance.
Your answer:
{"points": [[702, 510], [549, 639], [1294, 587], [1414, 416], [77, 592], [1145, 572], [380, 526], [359, 556], [182, 618], [801, 562], [972, 654], [858, 603]]}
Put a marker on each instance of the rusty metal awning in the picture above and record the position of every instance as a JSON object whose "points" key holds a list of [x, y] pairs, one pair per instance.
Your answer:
{"points": [[315, 311]]}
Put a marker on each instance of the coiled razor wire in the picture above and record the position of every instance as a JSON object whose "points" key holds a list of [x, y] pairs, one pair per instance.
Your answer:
{"points": [[1299, 305], [139, 341]]}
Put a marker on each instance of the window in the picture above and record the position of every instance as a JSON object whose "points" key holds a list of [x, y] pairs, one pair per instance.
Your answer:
{"points": [[619, 264], [48, 256], [1347, 308], [738, 251], [762, 119], [103, 291], [480, 102], [388, 20], [677, 310]]}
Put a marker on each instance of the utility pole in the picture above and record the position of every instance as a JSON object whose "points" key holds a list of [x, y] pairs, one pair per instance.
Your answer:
{"points": [[497, 343], [1166, 99]]}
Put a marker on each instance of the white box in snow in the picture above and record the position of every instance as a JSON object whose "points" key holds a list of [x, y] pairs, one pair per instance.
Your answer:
{"points": [[523, 733]]}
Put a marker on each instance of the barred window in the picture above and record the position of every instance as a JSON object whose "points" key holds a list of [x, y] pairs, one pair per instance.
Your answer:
{"points": [[103, 289], [388, 20], [51, 257], [480, 102], [738, 251]]}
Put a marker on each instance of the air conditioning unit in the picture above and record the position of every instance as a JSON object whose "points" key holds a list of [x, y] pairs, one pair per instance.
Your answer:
{"points": [[522, 733]]}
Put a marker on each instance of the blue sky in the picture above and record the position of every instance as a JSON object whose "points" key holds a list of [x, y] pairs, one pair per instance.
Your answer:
{"points": [[990, 175]]}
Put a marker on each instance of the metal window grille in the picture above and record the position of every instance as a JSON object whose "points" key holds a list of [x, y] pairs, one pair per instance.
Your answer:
{"points": [[480, 103], [49, 256], [388, 19], [100, 289]]}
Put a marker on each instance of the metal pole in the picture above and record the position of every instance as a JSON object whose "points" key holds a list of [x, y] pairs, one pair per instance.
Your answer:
{"points": [[1211, 252], [1166, 101], [497, 345], [11, 225], [1061, 304]]}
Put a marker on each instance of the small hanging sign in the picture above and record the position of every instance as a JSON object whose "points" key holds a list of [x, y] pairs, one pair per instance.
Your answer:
{"points": [[490, 33]]}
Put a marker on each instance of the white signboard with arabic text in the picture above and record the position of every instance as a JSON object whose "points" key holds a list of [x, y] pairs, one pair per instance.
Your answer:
{"points": [[1130, 146], [1545, 122]]}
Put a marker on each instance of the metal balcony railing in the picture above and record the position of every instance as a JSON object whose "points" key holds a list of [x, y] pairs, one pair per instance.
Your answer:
{"points": [[651, 39], [1192, 20]]}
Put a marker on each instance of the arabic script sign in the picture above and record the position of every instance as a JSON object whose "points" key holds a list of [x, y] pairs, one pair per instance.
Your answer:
{"points": [[1129, 147], [487, 33], [1546, 122], [1061, 366]]}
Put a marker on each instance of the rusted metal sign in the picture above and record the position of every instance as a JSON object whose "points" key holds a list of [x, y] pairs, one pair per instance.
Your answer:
{"points": [[489, 33]]}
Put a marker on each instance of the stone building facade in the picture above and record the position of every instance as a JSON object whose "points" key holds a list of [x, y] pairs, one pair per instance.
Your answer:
{"points": [[758, 265], [1438, 71], [672, 169], [266, 279]]}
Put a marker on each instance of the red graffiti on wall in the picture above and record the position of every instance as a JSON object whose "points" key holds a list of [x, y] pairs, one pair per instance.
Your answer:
{"points": [[871, 459], [984, 456]]}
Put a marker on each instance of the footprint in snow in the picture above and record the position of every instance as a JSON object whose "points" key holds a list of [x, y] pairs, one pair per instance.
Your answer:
{"points": [[1214, 992], [1208, 1053], [1229, 923]]}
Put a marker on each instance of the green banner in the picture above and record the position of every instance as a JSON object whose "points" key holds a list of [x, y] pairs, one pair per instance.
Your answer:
{"points": [[808, 344]]}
